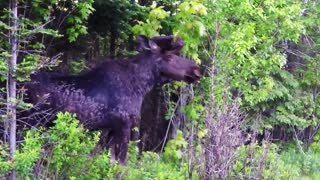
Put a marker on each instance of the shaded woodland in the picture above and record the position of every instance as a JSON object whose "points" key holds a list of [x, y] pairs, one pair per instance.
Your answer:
{"points": [[254, 114]]}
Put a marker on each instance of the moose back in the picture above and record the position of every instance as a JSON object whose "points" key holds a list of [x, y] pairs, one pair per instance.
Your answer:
{"points": [[109, 97]]}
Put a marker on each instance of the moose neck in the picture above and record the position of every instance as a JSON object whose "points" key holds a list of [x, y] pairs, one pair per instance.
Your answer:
{"points": [[146, 73]]}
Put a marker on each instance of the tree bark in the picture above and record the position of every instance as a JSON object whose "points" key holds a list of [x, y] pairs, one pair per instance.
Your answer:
{"points": [[153, 125], [113, 38], [11, 82]]}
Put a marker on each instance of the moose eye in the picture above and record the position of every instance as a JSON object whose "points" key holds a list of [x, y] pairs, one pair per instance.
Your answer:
{"points": [[169, 58]]}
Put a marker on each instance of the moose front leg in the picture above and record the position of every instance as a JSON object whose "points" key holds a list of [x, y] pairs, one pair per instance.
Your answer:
{"points": [[119, 145], [123, 147], [120, 136]]}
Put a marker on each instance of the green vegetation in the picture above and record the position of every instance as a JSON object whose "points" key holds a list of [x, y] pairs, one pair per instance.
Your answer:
{"points": [[62, 151], [254, 115]]}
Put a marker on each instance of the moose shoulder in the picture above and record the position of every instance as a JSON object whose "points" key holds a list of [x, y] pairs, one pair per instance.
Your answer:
{"points": [[110, 96]]}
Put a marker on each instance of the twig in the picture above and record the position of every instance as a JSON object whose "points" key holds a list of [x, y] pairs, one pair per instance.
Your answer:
{"points": [[169, 125]]}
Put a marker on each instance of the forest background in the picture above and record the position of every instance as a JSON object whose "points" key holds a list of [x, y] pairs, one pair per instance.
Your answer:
{"points": [[254, 115]]}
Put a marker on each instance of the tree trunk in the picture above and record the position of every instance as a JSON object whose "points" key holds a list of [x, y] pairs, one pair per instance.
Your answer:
{"points": [[113, 38], [11, 82], [153, 125]]}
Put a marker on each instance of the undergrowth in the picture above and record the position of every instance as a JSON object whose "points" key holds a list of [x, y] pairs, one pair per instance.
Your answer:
{"points": [[64, 152]]}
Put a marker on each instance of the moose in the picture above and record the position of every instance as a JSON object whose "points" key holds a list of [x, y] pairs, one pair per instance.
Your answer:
{"points": [[109, 97]]}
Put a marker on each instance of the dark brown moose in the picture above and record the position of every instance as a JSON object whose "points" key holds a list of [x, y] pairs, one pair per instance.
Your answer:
{"points": [[110, 96]]}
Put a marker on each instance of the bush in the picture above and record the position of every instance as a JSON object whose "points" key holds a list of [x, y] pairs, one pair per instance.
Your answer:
{"points": [[256, 161], [5, 166], [303, 163], [62, 152], [150, 165]]}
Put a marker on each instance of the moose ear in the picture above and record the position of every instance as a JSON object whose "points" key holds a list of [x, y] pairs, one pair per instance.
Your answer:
{"points": [[144, 43], [176, 46], [153, 46]]}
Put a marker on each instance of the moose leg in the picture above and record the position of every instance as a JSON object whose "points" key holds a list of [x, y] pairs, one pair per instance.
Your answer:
{"points": [[119, 145], [114, 141], [127, 134], [113, 152], [123, 146]]}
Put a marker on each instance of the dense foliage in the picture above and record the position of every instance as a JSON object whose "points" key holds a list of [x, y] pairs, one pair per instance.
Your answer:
{"points": [[254, 114]]}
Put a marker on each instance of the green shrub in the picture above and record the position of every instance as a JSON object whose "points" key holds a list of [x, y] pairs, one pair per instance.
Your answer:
{"points": [[259, 162], [61, 152], [151, 165], [29, 153], [5, 165], [303, 163], [64, 152]]}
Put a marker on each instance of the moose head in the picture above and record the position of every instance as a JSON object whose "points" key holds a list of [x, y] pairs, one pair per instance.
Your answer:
{"points": [[171, 65]]}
